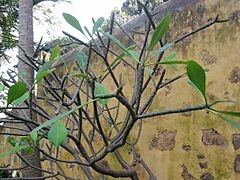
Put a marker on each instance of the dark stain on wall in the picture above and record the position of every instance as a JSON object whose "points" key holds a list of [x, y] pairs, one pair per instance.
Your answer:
{"points": [[203, 165], [212, 137], [235, 15], [164, 140], [236, 141], [234, 76], [186, 147], [186, 175], [200, 156], [207, 176], [201, 10], [237, 164], [211, 96], [207, 57]]}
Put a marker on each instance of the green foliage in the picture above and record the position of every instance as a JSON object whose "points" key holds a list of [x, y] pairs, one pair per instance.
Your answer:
{"points": [[14, 150], [21, 99], [97, 25], [121, 55], [231, 113], [57, 134], [12, 141], [23, 142], [78, 75], [100, 90], [197, 75], [230, 121], [1, 87], [159, 32], [82, 60], [34, 136], [220, 115], [130, 52], [55, 52], [46, 66], [132, 8], [73, 22], [45, 69], [129, 10], [170, 56], [43, 74], [162, 49], [8, 24], [16, 91]]}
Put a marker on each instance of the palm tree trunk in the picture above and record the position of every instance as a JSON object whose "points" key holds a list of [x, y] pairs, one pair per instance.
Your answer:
{"points": [[27, 74]]}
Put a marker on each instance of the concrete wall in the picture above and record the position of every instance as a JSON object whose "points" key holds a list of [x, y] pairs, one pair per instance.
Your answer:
{"points": [[193, 145]]}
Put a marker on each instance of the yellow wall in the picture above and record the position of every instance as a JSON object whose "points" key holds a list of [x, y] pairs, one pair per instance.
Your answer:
{"points": [[217, 49]]}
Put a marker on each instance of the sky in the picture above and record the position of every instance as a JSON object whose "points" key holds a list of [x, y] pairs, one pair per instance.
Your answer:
{"points": [[83, 10]]}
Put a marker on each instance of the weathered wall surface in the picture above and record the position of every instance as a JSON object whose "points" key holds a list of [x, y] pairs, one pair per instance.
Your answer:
{"points": [[193, 145]]}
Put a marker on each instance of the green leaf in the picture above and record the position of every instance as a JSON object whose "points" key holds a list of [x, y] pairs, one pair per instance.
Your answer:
{"points": [[57, 134], [97, 24], [121, 56], [191, 84], [53, 120], [100, 90], [82, 60], [14, 150], [149, 70], [116, 41], [34, 136], [173, 62], [12, 141], [73, 21], [43, 74], [24, 140], [162, 49], [226, 101], [134, 55], [159, 32], [16, 91], [1, 87], [230, 113], [232, 122], [78, 75], [55, 52], [197, 75], [45, 67], [119, 44], [170, 56], [21, 99], [29, 150]]}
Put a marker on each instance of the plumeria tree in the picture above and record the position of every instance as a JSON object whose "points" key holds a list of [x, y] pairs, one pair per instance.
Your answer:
{"points": [[90, 120]]}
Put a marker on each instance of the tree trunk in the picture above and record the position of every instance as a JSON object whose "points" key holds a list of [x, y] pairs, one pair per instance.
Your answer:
{"points": [[27, 75]]}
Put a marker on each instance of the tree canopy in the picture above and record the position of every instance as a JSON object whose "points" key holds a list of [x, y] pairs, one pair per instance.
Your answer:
{"points": [[129, 10], [9, 22]]}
